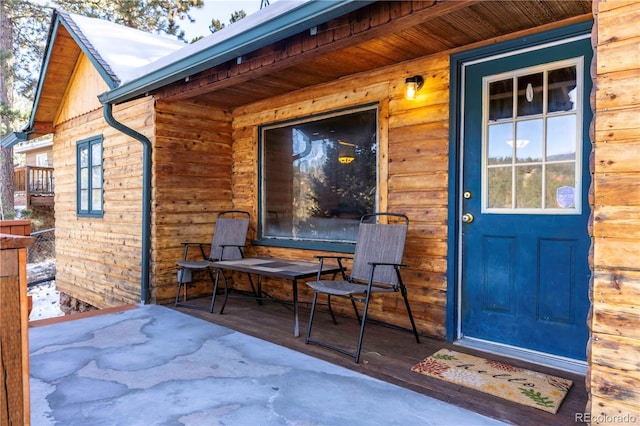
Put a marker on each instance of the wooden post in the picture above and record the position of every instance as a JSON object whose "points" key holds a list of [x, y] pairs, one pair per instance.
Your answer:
{"points": [[14, 338]]}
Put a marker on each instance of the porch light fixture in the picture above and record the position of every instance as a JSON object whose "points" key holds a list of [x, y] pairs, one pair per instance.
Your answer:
{"points": [[412, 85]]}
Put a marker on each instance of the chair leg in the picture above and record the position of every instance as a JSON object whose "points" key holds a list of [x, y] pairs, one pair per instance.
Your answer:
{"points": [[213, 280], [362, 325], [215, 287], [180, 284], [355, 309], [226, 294], [403, 290], [313, 310], [179, 287], [333, 317]]}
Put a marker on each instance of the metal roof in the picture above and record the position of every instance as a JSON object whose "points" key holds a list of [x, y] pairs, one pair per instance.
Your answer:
{"points": [[271, 24]]}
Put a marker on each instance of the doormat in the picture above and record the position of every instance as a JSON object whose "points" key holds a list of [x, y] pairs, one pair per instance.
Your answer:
{"points": [[496, 378]]}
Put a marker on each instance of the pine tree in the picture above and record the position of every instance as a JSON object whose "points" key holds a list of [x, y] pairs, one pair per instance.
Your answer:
{"points": [[216, 25]]}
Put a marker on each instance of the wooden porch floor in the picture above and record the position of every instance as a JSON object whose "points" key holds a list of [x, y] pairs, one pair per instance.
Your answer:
{"points": [[387, 354]]}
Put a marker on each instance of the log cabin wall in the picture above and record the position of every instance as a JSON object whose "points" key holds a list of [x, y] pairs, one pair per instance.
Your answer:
{"points": [[98, 259], [614, 379], [413, 140], [191, 184]]}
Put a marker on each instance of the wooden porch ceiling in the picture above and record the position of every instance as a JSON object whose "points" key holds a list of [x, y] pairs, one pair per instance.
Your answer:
{"points": [[378, 35]]}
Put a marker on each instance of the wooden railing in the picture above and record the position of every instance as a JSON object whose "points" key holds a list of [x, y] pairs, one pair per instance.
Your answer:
{"points": [[14, 338], [33, 180]]}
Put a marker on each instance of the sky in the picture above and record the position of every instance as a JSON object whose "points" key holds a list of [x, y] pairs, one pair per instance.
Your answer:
{"points": [[216, 9]]}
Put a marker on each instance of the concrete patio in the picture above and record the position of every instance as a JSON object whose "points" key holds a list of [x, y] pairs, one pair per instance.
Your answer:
{"points": [[152, 365]]}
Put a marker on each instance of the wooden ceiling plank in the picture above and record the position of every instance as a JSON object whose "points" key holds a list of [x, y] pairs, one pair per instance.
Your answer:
{"points": [[296, 53]]}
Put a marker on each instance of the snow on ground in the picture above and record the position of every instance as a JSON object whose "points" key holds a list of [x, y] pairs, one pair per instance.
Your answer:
{"points": [[46, 301]]}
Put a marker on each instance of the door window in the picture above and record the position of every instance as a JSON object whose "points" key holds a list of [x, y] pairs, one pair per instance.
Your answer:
{"points": [[531, 140]]}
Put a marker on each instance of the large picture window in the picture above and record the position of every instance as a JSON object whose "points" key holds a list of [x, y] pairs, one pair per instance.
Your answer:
{"points": [[89, 177], [318, 177]]}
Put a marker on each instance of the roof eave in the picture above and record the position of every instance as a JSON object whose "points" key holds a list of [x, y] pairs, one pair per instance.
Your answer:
{"points": [[57, 19], [293, 21], [53, 30]]}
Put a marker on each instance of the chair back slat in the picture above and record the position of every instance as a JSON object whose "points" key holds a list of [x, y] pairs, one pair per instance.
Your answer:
{"points": [[378, 243], [230, 231]]}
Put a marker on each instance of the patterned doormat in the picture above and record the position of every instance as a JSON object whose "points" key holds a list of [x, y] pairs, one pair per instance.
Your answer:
{"points": [[496, 378]]}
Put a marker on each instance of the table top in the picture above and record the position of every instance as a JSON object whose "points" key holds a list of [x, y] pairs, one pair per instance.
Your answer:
{"points": [[275, 268]]}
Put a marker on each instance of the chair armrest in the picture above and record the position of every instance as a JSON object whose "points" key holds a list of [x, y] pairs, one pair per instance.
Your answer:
{"points": [[339, 259], [189, 244]]}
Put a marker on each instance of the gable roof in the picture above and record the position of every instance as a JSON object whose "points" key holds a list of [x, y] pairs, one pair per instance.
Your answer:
{"points": [[117, 51], [113, 49]]}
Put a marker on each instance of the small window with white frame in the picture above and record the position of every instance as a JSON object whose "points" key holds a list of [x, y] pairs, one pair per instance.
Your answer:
{"points": [[42, 160]]}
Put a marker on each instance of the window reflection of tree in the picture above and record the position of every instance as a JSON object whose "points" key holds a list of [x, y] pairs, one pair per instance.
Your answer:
{"points": [[326, 197]]}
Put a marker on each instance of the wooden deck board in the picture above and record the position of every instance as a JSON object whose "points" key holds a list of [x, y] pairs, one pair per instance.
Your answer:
{"points": [[387, 354]]}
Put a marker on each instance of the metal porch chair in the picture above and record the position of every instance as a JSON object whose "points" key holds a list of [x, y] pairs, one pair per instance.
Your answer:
{"points": [[227, 244], [376, 269]]}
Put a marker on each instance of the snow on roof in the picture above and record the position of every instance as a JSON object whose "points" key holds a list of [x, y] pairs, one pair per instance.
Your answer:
{"points": [[119, 49], [262, 16]]}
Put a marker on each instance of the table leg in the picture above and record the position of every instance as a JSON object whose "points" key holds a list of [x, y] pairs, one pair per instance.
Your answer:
{"points": [[296, 325]]}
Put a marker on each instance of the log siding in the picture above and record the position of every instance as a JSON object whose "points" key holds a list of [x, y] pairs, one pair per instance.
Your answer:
{"points": [[614, 376], [191, 184], [92, 252]]}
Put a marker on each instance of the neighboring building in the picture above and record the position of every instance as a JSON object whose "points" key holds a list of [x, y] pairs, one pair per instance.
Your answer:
{"points": [[33, 178], [516, 162], [39, 154]]}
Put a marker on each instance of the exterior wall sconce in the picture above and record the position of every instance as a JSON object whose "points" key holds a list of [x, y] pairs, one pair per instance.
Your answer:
{"points": [[412, 85]]}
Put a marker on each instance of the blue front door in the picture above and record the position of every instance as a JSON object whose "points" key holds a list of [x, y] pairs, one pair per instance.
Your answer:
{"points": [[524, 201]]}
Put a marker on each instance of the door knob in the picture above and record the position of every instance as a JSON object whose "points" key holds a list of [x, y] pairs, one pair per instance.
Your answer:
{"points": [[467, 218]]}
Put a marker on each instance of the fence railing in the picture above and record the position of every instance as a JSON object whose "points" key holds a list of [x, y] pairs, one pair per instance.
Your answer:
{"points": [[33, 180], [41, 257]]}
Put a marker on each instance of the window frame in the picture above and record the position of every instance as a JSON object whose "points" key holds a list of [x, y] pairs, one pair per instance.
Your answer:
{"points": [[578, 62], [91, 210], [334, 246], [42, 160]]}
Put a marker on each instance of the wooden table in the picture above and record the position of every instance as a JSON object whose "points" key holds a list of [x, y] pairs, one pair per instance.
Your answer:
{"points": [[276, 268]]}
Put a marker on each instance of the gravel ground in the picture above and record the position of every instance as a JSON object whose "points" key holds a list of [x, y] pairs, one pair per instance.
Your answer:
{"points": [[46, 301]]}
